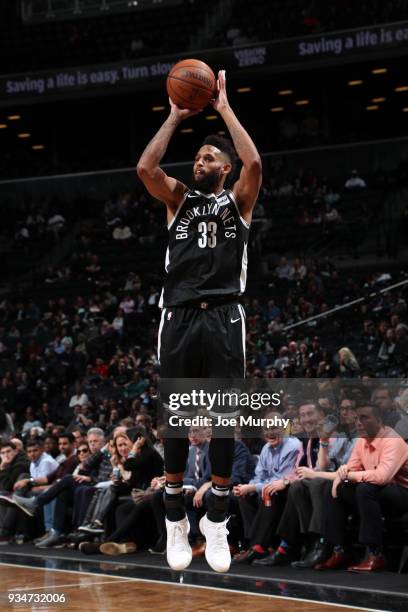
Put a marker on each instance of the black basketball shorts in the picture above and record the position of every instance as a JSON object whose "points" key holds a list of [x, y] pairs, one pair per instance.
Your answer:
{"points": [[199, 343]]}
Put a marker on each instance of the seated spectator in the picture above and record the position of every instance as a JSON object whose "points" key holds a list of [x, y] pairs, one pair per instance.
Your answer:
{"points": [[97, 469], [79, 398], [134, 467], [283, 360], [122, 232], [332, 215], [55, 506], [127, 305], [303, 518], [284, 271], [355, 181], [118, 321], [30, 421], [260, 511], [349, 366], [130, 531], [14, 464], [51, 446], [56, 224], [375, 482], [383, 399], [310, 417], [41, 464]]}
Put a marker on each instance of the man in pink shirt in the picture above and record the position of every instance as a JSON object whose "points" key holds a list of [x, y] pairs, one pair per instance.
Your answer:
{"points": [[375, 480]]}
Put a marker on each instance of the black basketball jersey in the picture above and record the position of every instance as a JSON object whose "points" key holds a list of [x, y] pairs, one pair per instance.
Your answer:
{"points": [[207, 251]]}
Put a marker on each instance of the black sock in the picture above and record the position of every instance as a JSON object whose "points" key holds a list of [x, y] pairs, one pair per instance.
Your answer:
{"points": [[218, 503], [174, 501]]}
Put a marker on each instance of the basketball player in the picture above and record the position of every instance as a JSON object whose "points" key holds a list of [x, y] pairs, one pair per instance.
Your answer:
{"points": [[202, 328]]}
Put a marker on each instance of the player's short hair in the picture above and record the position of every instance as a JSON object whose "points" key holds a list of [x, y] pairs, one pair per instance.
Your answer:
{"points": [[225, 146]]}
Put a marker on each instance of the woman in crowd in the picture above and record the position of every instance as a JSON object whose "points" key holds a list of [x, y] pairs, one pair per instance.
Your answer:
{"points": [[134, 467]]}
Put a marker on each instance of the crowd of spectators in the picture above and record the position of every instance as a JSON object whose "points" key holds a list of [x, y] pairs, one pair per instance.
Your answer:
{"points": [[80, 380], [98, 485], [82, 452]]}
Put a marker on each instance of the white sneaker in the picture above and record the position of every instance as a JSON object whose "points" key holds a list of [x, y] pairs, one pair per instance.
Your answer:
{"points": [[217, 551], [179, 553]]}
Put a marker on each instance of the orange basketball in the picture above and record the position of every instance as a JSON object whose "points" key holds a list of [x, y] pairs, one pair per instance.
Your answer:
{"points": [[191, 84]]}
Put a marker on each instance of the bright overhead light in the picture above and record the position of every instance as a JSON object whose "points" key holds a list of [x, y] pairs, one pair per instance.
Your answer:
{"points": [[3, 126], [277, 109], [377, 100], [356, 82], [38, 147], [156, 109], [244, 89], [379, 70], [372, 107], [14, 117], [285, 92], [401, 88], [187, 131], [24, 135], [211, 117], [405, 109], [302, 102]]}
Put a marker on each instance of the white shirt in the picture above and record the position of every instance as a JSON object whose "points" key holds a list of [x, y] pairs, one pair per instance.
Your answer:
{"points": [[44, 466], [78, 400]]}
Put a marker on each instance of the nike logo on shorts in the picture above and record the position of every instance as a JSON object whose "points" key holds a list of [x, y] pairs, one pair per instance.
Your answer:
{"points": [[235, 320]]}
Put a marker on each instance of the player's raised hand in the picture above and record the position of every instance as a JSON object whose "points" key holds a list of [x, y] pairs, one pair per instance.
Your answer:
{"points": [[221, 101], [182, 113]]}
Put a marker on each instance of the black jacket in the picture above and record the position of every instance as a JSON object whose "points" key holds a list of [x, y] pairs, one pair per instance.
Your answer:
{"points": [[144, 466], [10, 474]]}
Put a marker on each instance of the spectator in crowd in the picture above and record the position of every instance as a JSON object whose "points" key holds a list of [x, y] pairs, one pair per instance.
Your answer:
{"points": [[303, 518], [49, 497], [348, 363], [355, 181], [79, 398], [41, 464], [13, 464], [142, 462], [311, 416], [374, 481], [259, 507]]}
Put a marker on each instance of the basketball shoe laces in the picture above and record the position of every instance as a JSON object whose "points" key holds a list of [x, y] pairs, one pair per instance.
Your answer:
{"points": [[219, 534], [178, 542]]}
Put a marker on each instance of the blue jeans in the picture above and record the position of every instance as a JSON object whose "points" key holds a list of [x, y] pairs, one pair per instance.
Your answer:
{"points": [[49, 514]]}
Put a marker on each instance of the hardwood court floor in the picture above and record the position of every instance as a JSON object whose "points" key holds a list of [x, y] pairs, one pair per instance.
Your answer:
{"points": [[88, 592]]}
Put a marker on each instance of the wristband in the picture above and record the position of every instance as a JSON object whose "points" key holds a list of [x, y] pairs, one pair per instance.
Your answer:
{"points": [[32, 482], [132, 454], [324, 444]]}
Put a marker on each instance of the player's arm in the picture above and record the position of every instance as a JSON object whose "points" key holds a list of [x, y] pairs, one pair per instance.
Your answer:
{"points": [[162, 187], [247, 187]]}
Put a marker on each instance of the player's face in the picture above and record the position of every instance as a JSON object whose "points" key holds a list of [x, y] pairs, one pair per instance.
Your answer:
{"points": [[209, 169]]}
